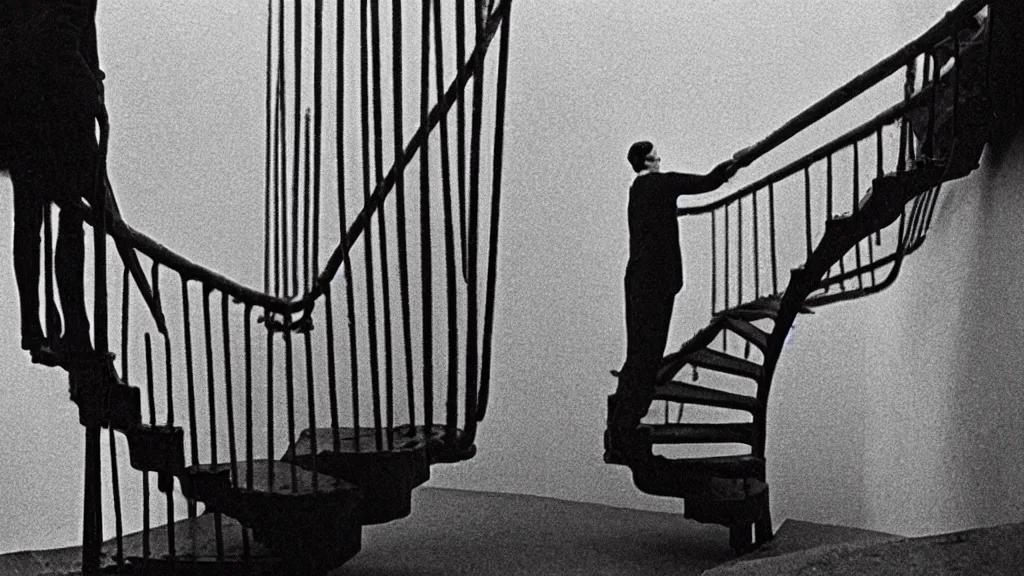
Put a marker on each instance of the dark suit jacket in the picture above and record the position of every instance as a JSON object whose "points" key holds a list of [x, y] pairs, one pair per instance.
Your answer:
{"points": [[655, 263]]}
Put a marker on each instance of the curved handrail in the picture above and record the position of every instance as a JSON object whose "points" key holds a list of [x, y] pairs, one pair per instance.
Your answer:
{"points": [[857, 134], [840, 97], [161, 254]]}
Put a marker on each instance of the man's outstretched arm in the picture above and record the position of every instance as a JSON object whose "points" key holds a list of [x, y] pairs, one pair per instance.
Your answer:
{"points": [[683, 184]]}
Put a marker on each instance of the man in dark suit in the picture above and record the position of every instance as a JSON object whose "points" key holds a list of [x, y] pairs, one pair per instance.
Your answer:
{"points": [[50, 96], [654, 275]]}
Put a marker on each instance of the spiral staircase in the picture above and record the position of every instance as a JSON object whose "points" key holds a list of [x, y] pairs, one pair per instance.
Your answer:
{"points": [[949, 111]]}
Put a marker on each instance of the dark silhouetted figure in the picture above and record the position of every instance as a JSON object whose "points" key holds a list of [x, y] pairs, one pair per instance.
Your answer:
{"points": [[654, 275], [50, 96]]}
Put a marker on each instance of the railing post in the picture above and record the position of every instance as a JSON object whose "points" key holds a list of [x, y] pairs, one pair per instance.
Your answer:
{"points": [[92, 533]]}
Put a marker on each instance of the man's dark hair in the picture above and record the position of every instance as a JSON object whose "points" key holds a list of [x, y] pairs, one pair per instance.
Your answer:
{"points": [[638, 154]]}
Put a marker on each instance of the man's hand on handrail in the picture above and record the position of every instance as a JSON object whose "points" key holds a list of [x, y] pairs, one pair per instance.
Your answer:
{"points": [[720, 174]]}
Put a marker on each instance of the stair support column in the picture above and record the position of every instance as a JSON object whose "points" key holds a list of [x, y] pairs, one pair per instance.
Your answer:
{"points": [[92, 531]]}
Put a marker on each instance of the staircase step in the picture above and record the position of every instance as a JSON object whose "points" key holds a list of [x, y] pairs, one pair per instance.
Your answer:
{"points": [[748, 332], [102, 398], [725, 490], [385, 477], [758, 309], [158, 449], [195, 550], [740, 433], [721, 362], [686, 393], [296, 513], [445, 444]]}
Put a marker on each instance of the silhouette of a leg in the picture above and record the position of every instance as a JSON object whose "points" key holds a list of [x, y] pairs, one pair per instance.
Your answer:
{"points": [[28, 220], [70, 268], [647, 322]]}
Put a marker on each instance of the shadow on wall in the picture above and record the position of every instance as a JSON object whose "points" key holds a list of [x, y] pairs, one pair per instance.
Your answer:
{"points": [[985, 432], [986, 428]]}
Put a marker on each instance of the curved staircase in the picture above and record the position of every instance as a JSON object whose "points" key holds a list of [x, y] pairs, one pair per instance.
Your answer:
{"points": [[731, 490]]}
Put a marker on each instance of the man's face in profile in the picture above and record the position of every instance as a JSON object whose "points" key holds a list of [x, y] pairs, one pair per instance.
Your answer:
{"points": [[652, 163]]}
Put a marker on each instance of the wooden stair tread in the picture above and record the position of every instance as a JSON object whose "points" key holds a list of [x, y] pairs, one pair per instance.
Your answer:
{"points": [[385, 476], [353, 440], [687, 393], [274, 477], [721, 362], [195, 543], [444, 444], [748, 332], [298, 514], [725, 490], [758, 309], [741, 433], [738, 466]]}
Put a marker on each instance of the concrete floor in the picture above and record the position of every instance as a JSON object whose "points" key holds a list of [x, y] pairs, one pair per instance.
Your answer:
{"points": [[454, 532]]}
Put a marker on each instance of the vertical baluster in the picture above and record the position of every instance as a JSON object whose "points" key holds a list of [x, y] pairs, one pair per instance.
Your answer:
{"points": [[168, 379], [270, 400], [905, 132], [276, 184], [739, 251], [151, 392], [842, 261], [190, 383], [725, 269], [332, 385], [164, 483], [283, 133], [879, 172], [371, 313], [739, 265], [449, 244], [930, 210], [426, 263], [342, 219], [318, 40], [114, 474], [472, 359], [228, 392], [917, 217], [297, 144], [382, 229], [247, 338], [771, 224], [289, 385], [460, 105], [714, 262], [311, 405], [116, 492], [757, 251], [856, 206], [492, 257], [307, 201], [911, 150], [807, 210], [92, 507], [266, 175], [400, 224], [207, 332]]}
